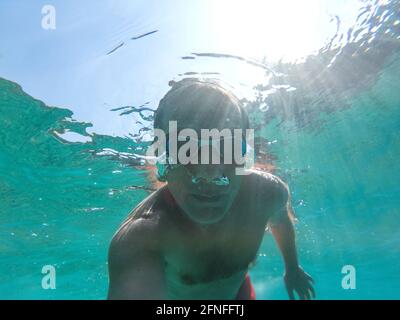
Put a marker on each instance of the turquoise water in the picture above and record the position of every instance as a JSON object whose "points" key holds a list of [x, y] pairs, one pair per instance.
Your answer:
{"points": [[329, 123]]}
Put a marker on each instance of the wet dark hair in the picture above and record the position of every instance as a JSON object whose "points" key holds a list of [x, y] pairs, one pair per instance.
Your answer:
{"points": [[192, 90]]}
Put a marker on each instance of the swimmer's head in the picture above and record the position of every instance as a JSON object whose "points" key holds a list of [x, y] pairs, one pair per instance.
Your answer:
{"points": [[205, 192]]}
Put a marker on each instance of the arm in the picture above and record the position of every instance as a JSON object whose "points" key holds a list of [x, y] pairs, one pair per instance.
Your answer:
{"points": [[284, 235], [281, 226], [136, 268]]}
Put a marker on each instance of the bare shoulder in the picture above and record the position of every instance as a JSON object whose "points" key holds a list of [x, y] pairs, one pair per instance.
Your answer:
{"points": [[139, 231], [135, 262], [268, 186], [134, 233]]}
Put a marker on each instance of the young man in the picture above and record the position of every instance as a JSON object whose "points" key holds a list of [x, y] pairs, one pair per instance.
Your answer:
{"points": [[196, 237]]}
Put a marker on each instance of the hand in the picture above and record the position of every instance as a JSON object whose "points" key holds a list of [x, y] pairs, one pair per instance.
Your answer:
{"points": [[301, 282]]}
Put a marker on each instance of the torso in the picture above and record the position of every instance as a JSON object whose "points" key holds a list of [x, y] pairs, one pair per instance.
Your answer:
{"points": [[212, 264]]}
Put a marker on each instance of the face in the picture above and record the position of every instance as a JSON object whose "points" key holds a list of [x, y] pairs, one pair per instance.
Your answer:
{"points": [[205, 202]]}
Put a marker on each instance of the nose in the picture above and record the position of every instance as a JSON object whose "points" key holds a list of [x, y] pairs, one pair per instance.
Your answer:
{"points": [[208, 172]]}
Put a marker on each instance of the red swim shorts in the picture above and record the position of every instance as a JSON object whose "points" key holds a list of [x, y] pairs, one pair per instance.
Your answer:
{"points": [[246, 290]]}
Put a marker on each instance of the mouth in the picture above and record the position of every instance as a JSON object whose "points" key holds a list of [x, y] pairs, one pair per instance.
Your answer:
{"points": [[208, 198]]}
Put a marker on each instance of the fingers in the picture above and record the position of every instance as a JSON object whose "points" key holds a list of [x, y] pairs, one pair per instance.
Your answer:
{"points": [[305, 291], [308, 293], [291, 294], [303, 295], [310, 288], [312, 291], [302, 286]]}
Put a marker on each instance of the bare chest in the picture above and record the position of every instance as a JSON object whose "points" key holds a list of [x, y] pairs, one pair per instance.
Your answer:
{"points": [[194, 257]]}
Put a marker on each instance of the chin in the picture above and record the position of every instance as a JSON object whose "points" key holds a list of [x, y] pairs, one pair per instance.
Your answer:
{"points": [[207, 216]]}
